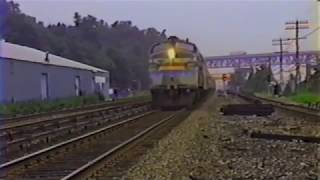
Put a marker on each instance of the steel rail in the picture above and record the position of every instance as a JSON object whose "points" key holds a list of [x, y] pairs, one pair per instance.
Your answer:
{"points": [[117, 148], [69, 110], [44, 134], [34, 122], [285, 106], [67, 142]]}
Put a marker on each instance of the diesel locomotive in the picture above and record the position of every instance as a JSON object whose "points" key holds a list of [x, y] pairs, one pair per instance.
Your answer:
{"points": [[179, 74]]}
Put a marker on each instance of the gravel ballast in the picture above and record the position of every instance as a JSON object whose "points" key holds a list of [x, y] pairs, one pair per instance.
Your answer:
{"points": [[208, 145]]}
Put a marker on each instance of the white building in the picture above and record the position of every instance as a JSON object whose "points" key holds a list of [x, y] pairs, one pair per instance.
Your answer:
{"points": [[30, 74]]}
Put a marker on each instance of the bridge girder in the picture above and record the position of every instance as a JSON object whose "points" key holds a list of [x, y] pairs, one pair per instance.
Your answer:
{"points": [[243, 61]]}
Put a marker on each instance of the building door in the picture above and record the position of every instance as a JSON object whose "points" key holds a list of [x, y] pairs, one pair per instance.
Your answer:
{"points": [[100, 84], [93, 84], [44, 86], [77, 85]]}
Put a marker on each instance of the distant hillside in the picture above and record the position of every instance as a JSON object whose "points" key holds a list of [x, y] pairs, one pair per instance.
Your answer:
{"points": [[119, 47]]}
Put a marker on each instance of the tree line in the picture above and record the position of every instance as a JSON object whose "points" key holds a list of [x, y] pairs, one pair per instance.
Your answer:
{"points": [[260, 81], [119, 47]]}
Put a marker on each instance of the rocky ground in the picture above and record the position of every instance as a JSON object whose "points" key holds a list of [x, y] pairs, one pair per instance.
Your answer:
{"points": [[208, 145], [279, 123]]}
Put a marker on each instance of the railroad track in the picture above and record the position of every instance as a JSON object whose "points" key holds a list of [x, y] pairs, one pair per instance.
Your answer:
{"points": [[30, 119], [280, 143], [289, 123], [115, 163], [297, 110], [68, 158], [31, 136], [284, 127], [53, 114]]}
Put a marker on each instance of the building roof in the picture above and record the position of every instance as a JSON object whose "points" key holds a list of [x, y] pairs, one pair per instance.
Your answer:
{"points": [[24, 53]]}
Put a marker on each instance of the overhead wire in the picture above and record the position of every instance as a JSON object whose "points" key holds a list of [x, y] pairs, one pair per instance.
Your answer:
{"points": [[311, 32]]}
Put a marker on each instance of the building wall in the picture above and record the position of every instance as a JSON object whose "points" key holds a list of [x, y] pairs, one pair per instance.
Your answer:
{"points": [[107, 83], [2, 81], [22, 81]]}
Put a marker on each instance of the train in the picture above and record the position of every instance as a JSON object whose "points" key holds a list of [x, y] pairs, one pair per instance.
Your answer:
{"points": [[179, 74]]}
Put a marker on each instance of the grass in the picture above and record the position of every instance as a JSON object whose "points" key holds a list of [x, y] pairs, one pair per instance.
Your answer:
{"points": [[305, 97], [302, 97], [34, 107]]}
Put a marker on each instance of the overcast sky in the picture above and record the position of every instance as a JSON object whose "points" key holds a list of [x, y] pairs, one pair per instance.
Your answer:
{"points": [[216, 26]]}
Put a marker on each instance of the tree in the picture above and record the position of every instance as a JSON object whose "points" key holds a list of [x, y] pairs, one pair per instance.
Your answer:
{"points": [[122, 48], [259, 81], [77, 19]]}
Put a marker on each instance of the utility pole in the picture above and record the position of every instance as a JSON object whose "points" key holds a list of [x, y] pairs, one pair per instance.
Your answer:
{"points": [[281, 42], [297, 25]]}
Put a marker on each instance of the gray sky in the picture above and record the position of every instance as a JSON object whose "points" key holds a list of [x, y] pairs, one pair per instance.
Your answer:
{"points": [[217, 26]]}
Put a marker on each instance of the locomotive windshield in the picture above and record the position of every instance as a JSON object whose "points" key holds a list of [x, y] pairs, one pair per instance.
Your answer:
{"points": [[182, 50], [177, 45]]}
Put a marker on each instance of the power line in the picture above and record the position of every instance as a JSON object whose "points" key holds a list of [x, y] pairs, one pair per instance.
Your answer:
{"points": [[304, 37], [311, 32]]}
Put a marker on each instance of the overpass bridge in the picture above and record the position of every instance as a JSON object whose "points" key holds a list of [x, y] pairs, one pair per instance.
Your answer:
{"points": [[248, 60]]}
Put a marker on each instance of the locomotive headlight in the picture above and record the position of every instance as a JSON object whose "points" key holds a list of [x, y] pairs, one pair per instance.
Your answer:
{"points": [[171, 53]]}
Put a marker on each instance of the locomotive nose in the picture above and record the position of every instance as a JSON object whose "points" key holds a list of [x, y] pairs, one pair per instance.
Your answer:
{"points": [[172, 83]]}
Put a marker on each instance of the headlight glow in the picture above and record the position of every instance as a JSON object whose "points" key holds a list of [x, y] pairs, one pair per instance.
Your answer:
{"points": [[171, 53]]}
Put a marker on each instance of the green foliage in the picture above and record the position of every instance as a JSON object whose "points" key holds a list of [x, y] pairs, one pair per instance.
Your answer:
{"points": [[301, 97], [238, 79], [306, 97], [314, 83], [121, 48], [23, 108], [289, 87], [259, 81]]}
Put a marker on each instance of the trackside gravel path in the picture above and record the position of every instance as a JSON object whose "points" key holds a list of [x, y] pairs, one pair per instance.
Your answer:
{"points": [[208, 145]]}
